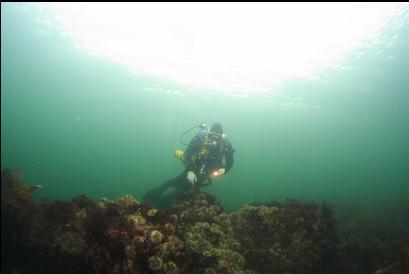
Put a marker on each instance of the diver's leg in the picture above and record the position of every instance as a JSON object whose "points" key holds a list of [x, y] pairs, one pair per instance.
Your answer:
{"points": [[181, 185], [155, 194]]}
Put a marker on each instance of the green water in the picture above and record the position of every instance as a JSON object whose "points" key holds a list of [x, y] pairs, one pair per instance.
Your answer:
{"points": [[79, 124]]}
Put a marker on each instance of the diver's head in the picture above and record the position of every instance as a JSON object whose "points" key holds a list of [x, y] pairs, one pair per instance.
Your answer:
{"points": [[216, 130]]}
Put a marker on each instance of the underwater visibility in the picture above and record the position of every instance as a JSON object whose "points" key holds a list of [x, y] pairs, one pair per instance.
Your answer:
{"points": [[265, 138]]}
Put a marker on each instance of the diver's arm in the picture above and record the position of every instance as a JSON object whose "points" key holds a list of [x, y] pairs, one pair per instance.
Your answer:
{"points": [[229, 156], [208, 183], [191, 150]]}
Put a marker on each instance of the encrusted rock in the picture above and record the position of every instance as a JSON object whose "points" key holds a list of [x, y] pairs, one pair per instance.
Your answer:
{"points": [[81, 213], [103, 203], [155, 263], [156, 237], [127, 201], [170, 228], [152, 212], [170, 268], [136, 219]]}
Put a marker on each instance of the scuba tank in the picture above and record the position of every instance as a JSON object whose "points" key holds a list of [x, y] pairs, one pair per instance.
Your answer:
{"points": [[203, 129], [179, 154], [203, 134]]}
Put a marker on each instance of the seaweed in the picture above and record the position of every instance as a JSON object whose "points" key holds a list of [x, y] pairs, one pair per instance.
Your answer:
{"points": [[194, 235]]}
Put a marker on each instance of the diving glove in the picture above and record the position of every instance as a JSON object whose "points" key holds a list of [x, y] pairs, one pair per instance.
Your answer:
{"points": [[222, 171], [179, 154], [191, 176], [217, 173]]}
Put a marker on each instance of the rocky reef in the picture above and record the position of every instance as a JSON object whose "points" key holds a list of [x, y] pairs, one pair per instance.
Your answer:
{"points": [[287, 237], [195, 235]]}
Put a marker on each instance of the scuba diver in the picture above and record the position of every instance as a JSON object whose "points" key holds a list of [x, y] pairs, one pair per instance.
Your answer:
{"points": [[203, 161]]}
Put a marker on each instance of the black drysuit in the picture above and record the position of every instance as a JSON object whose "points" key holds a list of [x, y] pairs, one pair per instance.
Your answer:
{"points": [[203, 156]]}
